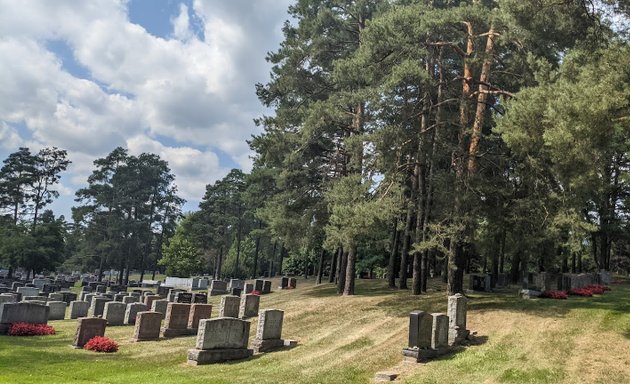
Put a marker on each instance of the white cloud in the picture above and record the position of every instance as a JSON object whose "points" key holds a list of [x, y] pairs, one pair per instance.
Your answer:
{"points": [[196, 91]]}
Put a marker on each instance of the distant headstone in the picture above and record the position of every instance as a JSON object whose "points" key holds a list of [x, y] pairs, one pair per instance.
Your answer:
{"points": [[198, 312], [229, 306], [236, 283], [132, 310], [129, 299], [87, 328], [249, 306], [114, 313], [183, 297], [266, 287], [149, 299], [119, 297], [292, 282], [176, 320], [235, 291], [200, 298], [249, 288], [57, 310], [160, 306], [147, 326], [28, 291], [55, 297], [79, 309], [97, 306], [221, 339], [258, 285], [218, 287], [284, 282], [15, 285]]}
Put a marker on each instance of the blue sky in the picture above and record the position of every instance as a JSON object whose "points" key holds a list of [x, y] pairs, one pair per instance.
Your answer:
{"points": [[170, 77]]}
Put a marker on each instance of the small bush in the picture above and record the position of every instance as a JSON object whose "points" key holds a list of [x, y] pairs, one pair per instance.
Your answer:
{"points": [[101, 344], [27, 329], [559, 295]]}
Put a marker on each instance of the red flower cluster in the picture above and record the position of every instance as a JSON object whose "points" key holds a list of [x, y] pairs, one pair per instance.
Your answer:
{"points": [[589, 290], [256, 293], [560, 295], [27, 329], [101, 344]]}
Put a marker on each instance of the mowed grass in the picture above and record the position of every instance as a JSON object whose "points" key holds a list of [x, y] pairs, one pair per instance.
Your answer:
{"points": [[349, 339]]}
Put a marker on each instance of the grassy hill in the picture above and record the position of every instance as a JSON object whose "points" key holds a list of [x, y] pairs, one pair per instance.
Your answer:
{"points": [[349, 339]]}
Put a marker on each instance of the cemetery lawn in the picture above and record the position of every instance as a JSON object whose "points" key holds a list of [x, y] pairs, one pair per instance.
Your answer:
{"points": [[349, 339]]}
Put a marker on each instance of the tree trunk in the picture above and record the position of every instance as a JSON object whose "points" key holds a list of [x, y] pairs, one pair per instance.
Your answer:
{"points": [[404, 257], [455, 271], [320, 267], [341, 281], [350, 272], [333, 265], [255, 267], [391, 265]]}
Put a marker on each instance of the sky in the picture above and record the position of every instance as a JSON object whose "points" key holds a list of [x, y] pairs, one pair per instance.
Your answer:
{"points": [[175, 78]]}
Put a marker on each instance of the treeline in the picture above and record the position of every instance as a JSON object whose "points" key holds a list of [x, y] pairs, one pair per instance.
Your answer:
{"points": [[432, 138], [128, 210]]}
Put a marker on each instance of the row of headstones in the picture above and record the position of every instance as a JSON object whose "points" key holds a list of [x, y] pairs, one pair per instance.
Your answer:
{"points": [[180, 319], [235, 287], [433, 334], [288, 282], [544, 281]]}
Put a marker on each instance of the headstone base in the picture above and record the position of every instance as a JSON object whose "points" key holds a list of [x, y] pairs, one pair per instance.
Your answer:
{"points": [[456, 335], [210, 356], [417, 355], [170, 332], [267, 345]]}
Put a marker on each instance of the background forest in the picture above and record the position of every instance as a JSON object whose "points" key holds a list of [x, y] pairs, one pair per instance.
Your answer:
{"points": [[406, 139]]}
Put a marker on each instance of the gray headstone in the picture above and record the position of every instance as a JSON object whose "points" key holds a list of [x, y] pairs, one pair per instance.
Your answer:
{"points": [[79, 309], [230, 306], [270, 324], [147, 326], [176, 320], [97, 306], [199, 312], [129, 299], [222, 333], [149, 299], [258, 285], [439, 335], [200, 298], [456, 312], [249, 306], [160, 306], [23, 312], [420, 326], [114, 313], [55, 297], [57, 310], [292, 282], [132, 310], [284, 282], [236, 283], [249, 288], [28, 291], [87, 328], [266, 287]]}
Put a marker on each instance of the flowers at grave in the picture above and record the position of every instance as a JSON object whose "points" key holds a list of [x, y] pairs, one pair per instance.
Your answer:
{"points": [[256, 293], [560, 295], [581, 292], [27, 329], [598, 289], [101, 344]]}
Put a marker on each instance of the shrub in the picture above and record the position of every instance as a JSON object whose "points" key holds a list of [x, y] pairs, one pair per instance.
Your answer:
{"points": [[598, 289], [27, 329], [560, 295], [101, 344]]}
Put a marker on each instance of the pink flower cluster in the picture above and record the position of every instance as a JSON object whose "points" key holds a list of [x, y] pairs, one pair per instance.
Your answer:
{"points": [[560, 295]]}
